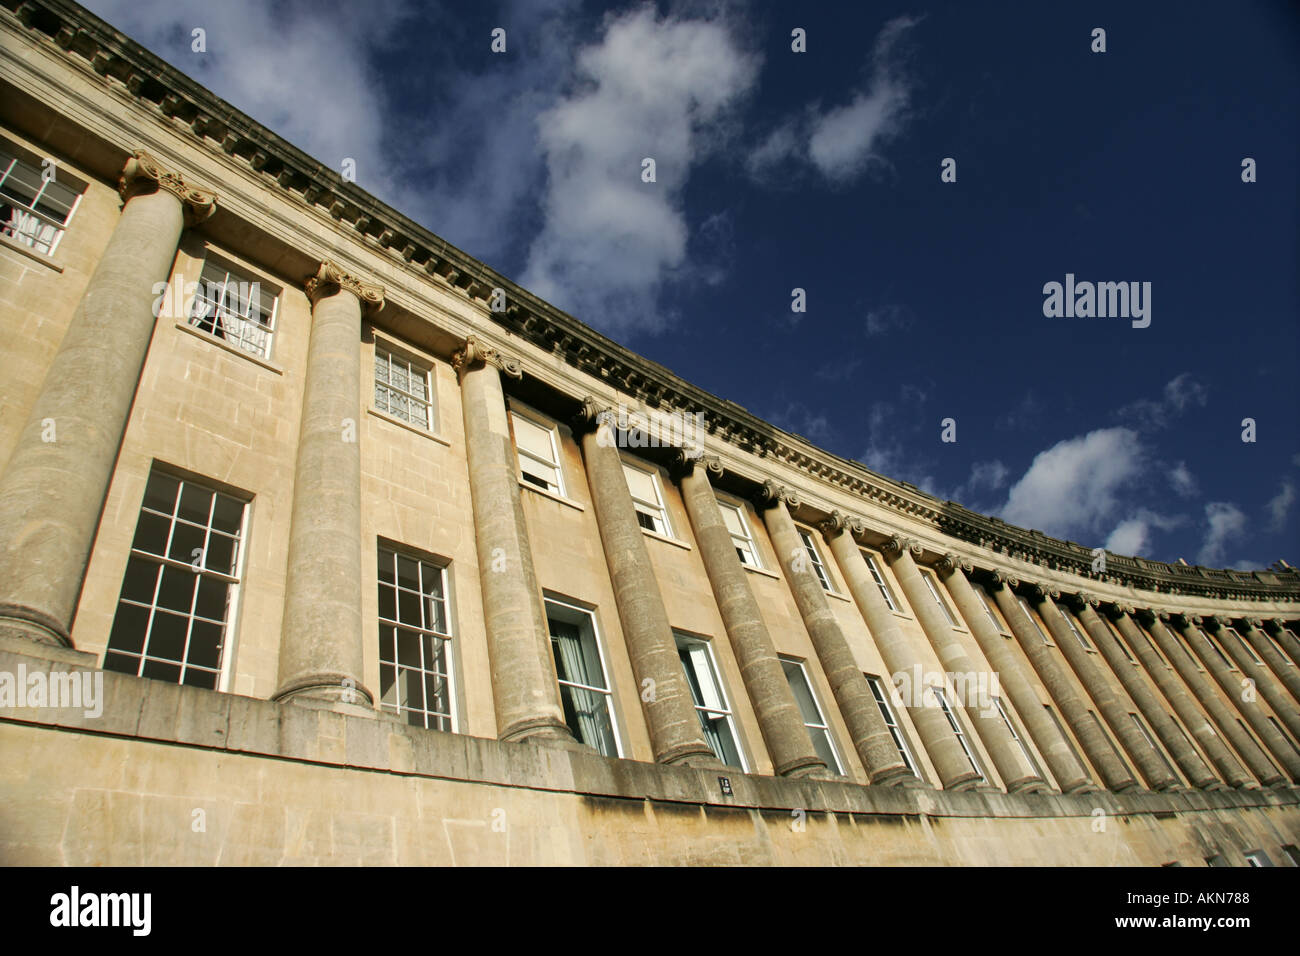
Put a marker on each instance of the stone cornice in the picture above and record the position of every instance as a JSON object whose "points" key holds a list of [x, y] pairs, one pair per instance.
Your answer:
{"points": [[184, 105]]}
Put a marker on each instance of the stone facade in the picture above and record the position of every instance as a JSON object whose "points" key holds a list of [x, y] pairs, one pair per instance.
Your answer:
{"points": [[975, 693]]}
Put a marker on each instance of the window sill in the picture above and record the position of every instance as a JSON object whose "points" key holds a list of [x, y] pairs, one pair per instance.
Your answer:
{"points": [[664, 538], [538, 490], [223, 344], [837, 594], [763, 571], [23, 249], [394, 420]]}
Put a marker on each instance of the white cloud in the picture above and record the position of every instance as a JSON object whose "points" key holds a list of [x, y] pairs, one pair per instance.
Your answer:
{"points": [[1279, 506], [1179, 394], [1074, 488], [306, 75], [651, 88], [1184, 483], [1130, 537], [842, 141], [881, 320], [1225, 522]]}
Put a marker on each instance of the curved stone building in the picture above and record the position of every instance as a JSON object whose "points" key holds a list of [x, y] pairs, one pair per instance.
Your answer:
{"points": [[322, 542]]}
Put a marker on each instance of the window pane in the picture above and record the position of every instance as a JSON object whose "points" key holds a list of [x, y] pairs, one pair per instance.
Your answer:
{"points": [[533, 439]]}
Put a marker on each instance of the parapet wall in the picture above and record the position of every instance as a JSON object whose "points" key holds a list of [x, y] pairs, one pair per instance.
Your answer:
{"points": [[176, 775]]}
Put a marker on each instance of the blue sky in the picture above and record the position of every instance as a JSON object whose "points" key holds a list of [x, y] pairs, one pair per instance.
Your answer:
{"points": [[820, 170]]}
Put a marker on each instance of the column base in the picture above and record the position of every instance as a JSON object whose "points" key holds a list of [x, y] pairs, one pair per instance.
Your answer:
{"points": [[971, 781], [1028, 785], [20, 621], [804, 767], [331, 688], [690, 755], [540, 730], [898, 777]]}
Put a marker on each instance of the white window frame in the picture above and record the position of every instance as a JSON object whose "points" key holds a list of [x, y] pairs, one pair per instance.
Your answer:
{"points": [[814, 555], [721, 708], [393, 355], [933, 587], [1076, 630], [422, 630], [891, 721], [224, 670], [1214, 646], [235, 274], [17, 228], [792, 665], [553, 432], [744, 542], [656, 511], [1015, 735], [987, 600], [942, 698], [1245, 645], [1286, 659], [1151, 742], [878, 575], [1033, 619], [571, 609]]}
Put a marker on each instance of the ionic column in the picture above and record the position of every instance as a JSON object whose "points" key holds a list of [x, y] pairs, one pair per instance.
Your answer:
{"points": [[861, 713], [1196, 682], [1130, 676], [901, 656], [1071, 775], [525, 691], [1286, 673], [1265, 686], [1196, 723], [321, 651], [779, 719], [1242, 742], [1113, 710], [674, 725], [1059, 686], [1285, 637], [53, 487]]}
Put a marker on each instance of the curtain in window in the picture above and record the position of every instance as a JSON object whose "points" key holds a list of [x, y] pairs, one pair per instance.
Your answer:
{"points": [[586, 705]]}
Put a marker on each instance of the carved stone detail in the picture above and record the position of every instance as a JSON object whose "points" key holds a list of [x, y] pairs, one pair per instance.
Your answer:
{"points": [[474, 352], [329, 278], [839, 522], [1041, 592], [950, 562], [142, 173], [682, 462], [772, 493], [900, 543]]}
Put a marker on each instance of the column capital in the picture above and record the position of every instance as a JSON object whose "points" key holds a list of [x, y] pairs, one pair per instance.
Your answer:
{"points": [[899, 544], [1256, 622], [838, 523], [950, 562], [1082, 599], [143, 174], [682, 462], [329, 278], [475, 352], [996, 579], [589, 416], [772, 493], [1193, 619], [1120, 609], [1041, 592]]}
